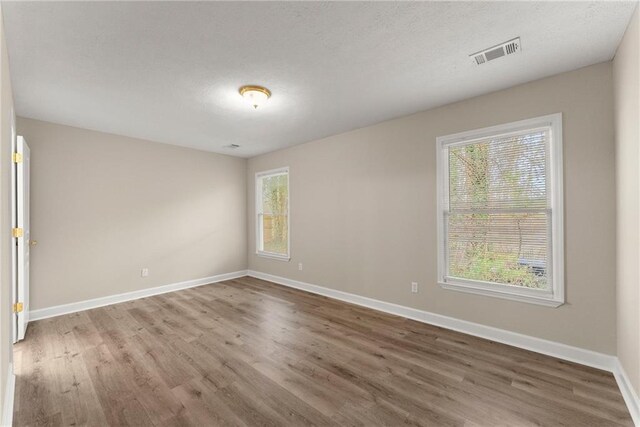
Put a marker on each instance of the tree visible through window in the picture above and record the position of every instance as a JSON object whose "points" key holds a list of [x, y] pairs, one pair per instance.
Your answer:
{"points": [[272, 191], [497, 220], [500, 224]]}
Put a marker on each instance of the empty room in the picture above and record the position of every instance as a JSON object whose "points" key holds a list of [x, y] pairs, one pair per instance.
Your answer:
{"points": [[320, 213]]}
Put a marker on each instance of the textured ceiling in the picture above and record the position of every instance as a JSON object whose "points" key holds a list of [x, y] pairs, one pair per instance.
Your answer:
{"points": [[170, 71]]}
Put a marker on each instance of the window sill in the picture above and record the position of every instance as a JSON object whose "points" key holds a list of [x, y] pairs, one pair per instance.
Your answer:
{"points": [[549, 301], [285, 258]]}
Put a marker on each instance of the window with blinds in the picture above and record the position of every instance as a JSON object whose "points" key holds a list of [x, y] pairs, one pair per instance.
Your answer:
{"points": [[272, 213], [498, 210]]}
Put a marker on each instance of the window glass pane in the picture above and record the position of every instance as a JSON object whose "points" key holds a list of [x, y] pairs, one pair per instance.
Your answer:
{"points": [[507, 172], [497, 224], [274, 221], [275, 234], [510, 249], [275, 193]]}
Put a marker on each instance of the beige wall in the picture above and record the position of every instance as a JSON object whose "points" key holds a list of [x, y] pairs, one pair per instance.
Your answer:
{"points": [[626, 73], [363, 209], [105, 206], [7, 120]]}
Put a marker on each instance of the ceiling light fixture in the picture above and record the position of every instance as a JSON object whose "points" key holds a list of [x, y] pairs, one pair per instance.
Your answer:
{"points": [[256, 95]]}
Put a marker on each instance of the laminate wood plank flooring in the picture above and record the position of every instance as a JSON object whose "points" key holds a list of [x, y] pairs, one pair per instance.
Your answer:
{"points": [[247, 352]]}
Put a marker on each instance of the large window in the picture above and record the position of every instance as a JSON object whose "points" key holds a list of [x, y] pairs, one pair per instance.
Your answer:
{"points": [[500, 211], [272, 213]]}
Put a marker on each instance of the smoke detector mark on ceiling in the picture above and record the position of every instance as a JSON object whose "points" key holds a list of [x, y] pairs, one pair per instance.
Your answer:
{"points": [[504, 49]]}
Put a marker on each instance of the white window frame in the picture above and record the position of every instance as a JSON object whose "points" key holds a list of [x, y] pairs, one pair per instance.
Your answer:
{"points": [[259, 213], [555, 295]]}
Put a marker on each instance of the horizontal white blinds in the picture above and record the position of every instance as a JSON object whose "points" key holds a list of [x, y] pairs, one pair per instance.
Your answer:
{"points": [[272, 204], [497, 218], [498, 173], [274, 193]]}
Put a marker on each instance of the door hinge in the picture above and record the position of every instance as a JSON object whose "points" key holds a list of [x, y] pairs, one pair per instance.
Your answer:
{"points": [[17, 232], [17, 158], [18, 307]]}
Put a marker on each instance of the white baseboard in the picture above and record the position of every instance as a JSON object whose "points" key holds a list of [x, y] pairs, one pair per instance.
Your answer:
{"points": [[628, 393], [9, 393], [73, 307], [539, 345], [551, 348]]}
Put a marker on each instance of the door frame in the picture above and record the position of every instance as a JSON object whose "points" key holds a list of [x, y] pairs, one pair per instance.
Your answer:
{"points": [[22, 160], [14, 224]]}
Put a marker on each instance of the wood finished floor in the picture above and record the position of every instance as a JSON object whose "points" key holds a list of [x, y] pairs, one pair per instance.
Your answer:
{"points": [[249, 352]]}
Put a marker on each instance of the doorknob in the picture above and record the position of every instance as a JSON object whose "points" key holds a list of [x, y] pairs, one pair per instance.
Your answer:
{"points": [[33, 242]]}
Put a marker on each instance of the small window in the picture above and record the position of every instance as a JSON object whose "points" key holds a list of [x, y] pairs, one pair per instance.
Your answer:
{"points": [[272, 213], [500, 220]]}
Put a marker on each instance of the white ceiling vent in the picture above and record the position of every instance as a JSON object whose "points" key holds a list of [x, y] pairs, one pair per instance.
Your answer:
{"points": [[495, 52]]}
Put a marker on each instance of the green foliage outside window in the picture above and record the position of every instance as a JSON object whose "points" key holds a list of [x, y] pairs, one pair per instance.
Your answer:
{"points": [[497, 222], [275, 200]]}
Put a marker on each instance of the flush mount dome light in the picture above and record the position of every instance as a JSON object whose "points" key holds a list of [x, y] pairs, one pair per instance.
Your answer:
{"points": [[256, 95]]}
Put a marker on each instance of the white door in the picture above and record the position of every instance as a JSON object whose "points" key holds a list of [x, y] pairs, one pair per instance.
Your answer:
{"points": [[22, 234]]}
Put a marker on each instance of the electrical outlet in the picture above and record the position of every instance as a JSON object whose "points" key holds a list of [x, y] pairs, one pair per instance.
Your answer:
{"points": [[144, 272], [300, 266], [414, 287]]}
